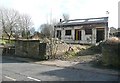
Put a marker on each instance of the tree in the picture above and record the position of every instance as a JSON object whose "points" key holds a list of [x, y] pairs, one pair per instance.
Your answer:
{"points": [[65, 17], [112, 31], [8, 21], [32, 31], [15, 24], [25, 23], [47, 30]]}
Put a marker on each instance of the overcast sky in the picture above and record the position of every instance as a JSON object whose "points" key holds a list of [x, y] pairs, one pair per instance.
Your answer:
{"points": [[42, 10]]}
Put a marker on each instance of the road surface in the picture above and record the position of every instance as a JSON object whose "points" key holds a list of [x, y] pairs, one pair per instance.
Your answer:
{"points": [[13, 70]]}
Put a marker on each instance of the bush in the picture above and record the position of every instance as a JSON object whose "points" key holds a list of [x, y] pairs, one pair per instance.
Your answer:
{"points": [[110, 52]]}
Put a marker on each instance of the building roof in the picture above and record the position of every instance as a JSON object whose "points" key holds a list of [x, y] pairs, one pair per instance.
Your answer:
{"points": [[77, 22]]}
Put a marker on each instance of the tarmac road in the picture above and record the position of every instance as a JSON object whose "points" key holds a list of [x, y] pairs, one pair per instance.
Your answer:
{"points": [[13, 70]]}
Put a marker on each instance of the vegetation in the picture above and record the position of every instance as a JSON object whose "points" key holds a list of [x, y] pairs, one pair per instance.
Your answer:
{"points": [[110, 52], [4, 42], [109, 57], [47, 30], [14, 24]]}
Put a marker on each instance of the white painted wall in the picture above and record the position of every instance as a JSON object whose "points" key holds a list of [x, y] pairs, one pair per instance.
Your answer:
{"points": [[62, 34], [93, 35], [83, 35], [73, 34], [71, 39]]}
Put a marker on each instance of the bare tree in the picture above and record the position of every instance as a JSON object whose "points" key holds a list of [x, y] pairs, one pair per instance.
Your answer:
{"points": [[32, 30], [46, 30], [14, 24], [26, 24], [66, 17], [8, 21]]}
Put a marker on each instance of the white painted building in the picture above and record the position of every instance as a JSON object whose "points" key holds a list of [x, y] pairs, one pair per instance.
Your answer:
{"points": [[85, 31]]}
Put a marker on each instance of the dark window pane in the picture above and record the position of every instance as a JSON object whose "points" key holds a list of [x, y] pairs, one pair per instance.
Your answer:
{"points": [[88, 31], [67, 32]]}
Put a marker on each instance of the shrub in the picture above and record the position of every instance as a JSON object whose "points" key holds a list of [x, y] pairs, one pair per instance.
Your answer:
{"points": [[110, 52]]}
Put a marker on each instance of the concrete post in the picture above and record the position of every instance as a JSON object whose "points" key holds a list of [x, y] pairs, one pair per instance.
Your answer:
{"points": [[62, 34], [93, 36], [83, 35], [73, 34], [105, 33], [55, 33]]}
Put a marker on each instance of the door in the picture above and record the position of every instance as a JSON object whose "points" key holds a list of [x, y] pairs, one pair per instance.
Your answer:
{"points": [[77, 34]]}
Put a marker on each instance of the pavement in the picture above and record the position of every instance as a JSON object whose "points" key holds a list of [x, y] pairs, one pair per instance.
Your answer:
{"points": [[69, 64]]}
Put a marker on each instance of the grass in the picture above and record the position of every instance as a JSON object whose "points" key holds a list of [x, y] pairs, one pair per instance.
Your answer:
{"points": [[6, 42], [3, 42]]}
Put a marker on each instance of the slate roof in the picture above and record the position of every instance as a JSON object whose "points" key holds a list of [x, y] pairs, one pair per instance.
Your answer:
{"points": [[76, 22]]}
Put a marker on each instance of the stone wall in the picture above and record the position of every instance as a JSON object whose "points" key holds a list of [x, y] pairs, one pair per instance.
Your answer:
{"points": [[29, 48], [1, 51]]}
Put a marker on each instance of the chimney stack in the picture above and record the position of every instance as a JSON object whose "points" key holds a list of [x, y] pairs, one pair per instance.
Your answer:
{"points": [[60, 20]]}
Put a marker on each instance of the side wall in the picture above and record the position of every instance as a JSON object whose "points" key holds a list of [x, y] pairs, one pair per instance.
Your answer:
{"points": [[30, 48]]}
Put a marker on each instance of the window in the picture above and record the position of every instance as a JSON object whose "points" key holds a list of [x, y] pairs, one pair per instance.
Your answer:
{"points": [[88, 31], [67, 32]]}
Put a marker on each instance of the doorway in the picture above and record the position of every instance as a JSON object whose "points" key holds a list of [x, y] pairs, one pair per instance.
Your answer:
{"points": [[59, 34], [100, 35], [77, 34]]}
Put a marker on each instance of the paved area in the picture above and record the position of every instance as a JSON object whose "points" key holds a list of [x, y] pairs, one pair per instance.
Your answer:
{"points": [[15, 70], [77, 65], [69, 64]]}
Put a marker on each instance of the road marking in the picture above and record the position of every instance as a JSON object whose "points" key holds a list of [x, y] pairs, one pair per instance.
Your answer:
{"points": [[10, 78], [34, 79]]}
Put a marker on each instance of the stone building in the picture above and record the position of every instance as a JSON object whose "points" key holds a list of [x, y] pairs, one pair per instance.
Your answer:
{"points": [[85, 31]]}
